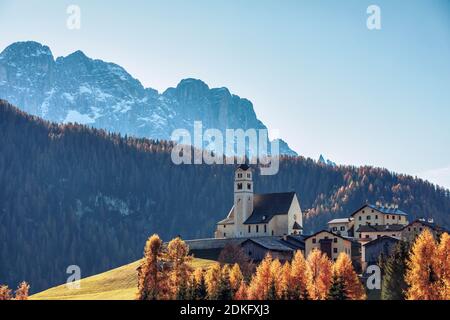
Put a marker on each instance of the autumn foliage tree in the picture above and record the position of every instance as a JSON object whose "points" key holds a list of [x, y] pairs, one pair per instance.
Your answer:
{"points": [[198, 285], [5, 293], [179, 276], [427, 274], [343, 269], [152, 280], [298, 277], [213, 277], [22, 291], [443, 266], [236, 278], [319, 275], [261, 281]]}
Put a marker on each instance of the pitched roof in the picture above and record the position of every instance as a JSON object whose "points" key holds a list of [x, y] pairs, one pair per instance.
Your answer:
{"points": [[296, 226], [271, 243], [244, 167], [343, 220], [229, 219], [380, 228], [383, 210], [383, 238], [329, 232], [266, 206], [430, 225]]}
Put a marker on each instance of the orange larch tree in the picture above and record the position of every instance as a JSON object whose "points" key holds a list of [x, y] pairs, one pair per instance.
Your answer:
{"points": [[152, 280], [22, 291], [319, 275], [343, 269], [236, 278], [180, 270], [422, 274], [443, 266], [299, 277], [213, 278], [261, 280]]}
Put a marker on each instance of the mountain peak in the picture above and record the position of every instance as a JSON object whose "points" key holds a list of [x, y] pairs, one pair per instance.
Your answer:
{"points": [[189, 90], [27, 49]]}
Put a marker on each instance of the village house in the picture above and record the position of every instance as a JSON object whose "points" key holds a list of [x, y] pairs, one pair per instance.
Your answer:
{"points": [[343, 227], [412, 230], [385, 220], [329, 243], [281, 248], [372, 250], [368, 232], [259, 215]]}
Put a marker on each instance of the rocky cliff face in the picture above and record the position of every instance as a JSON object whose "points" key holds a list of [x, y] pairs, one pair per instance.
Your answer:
{"points": [[103, 95]]}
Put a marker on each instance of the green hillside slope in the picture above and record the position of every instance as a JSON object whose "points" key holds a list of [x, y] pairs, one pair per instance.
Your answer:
{"points": [[116, 284]]}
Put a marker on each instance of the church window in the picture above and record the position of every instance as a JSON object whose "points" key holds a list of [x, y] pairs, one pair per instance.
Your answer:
{"points": [[360, 218], [273, 232], [239, 175], [249, 229], [224, 234], [249, 186], [248, 175], [265, 228], [257, 229], [239, 186]]}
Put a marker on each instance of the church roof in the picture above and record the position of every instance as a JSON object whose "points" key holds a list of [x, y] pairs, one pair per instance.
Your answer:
{"points": [[266, 206], [244, 167]]}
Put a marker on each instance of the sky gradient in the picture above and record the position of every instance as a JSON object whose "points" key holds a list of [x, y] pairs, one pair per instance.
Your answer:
{"points": [[312, 68]]}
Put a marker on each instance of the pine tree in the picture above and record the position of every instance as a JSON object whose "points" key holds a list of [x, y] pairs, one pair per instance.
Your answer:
{"points": [[337, 290], [421, 275], [393, 285], [343, 269]]}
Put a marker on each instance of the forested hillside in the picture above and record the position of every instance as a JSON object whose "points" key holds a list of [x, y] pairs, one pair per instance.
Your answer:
{"points": [[71, 195]]}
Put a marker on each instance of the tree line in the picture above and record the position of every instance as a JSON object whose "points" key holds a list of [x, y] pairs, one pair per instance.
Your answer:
{"points": [[419, 272], [166, 274]]}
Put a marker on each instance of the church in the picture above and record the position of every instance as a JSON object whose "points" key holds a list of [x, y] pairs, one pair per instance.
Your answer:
{"points": [[259, 215]]}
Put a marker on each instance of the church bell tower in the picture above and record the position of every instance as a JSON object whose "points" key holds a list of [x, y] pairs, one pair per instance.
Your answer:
{"points": [[243, 197]]}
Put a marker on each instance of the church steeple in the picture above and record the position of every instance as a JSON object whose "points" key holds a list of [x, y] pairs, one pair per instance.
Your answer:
{"points": [[243, 197]]}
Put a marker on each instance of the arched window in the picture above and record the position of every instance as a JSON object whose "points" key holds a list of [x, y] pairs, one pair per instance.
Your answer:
{"points": [[239, 186]]}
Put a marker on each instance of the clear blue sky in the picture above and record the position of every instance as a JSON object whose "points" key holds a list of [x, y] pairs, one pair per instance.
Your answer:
{"points": [[312, 68]]}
